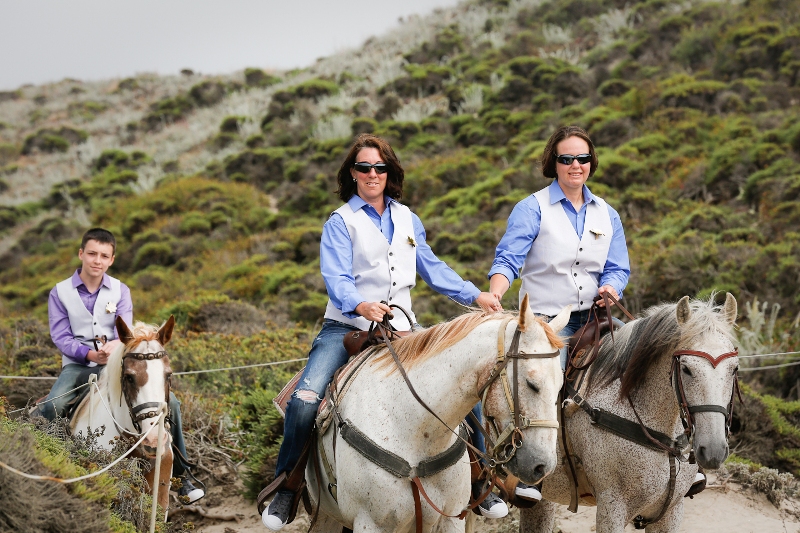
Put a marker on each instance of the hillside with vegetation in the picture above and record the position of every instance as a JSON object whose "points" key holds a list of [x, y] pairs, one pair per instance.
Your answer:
{"points": [[217, 186]]}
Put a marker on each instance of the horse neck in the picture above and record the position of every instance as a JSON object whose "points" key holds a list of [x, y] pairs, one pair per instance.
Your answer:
{"points": [[655, 400], [448, 383]]}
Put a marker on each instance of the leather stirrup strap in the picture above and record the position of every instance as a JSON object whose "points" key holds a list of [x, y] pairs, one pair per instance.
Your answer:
{"points": [[417, 507], [417, 488]]}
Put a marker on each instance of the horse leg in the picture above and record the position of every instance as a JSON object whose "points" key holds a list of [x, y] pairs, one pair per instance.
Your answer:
{"points": [[451, 525], [164, 476], [670, 522], [611, 512], [540, 518], [326, 524]]}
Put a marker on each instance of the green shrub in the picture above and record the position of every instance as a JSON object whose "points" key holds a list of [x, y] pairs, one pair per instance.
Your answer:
{"points": [[154, 253], [8, 153], [208, 93], [232, 123], [52, 140], [166, 111], [315, 89], [194, 223], [363, 125], [255, 77]]}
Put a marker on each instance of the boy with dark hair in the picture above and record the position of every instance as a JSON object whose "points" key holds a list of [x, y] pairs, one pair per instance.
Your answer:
{"points": [[82, 310]]}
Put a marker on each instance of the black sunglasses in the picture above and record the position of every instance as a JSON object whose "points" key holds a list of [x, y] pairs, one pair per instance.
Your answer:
{"points": [[568, 159], [380, 168]]}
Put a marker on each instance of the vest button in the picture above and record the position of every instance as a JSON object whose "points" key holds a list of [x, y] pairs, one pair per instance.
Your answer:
{"points": [[577, 262], [394, 283], [581, 302], [391, 253], [580, 249], [580, 288], [392, 268], [390, 298], [575, 274]]}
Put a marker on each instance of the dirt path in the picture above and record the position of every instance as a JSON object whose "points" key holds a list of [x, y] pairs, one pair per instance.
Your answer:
{"points": [[736, 510]]}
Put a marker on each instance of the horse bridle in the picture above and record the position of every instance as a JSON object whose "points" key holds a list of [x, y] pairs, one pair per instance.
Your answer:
{"points": [[687, 411], [137, 416], [510, 439]]}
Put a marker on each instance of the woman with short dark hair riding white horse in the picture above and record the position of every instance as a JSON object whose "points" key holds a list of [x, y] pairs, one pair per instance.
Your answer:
{"points": [[371, 250], [568, 243]]}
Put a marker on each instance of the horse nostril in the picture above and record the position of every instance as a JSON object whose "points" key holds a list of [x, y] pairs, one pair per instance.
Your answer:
{"points": [[539, 471], [701, 453]]}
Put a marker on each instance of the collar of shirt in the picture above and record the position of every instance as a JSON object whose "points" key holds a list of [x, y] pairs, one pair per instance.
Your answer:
{"points": [[77, 281], [557, 195], [356, 202]]}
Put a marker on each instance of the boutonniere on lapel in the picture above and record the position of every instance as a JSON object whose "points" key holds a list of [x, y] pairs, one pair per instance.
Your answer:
{"points": [[411, 241], [111, 308], [597, 233]]}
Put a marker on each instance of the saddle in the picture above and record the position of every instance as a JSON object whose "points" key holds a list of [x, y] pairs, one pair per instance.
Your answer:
{"points": [[356, 342]]}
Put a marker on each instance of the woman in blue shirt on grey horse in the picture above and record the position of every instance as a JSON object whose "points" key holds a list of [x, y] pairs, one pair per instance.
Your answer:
{"points": [[372, 249]]}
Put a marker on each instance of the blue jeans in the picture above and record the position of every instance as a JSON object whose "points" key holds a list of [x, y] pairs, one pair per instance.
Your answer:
{"points": [[327, 354], [72, 375], [577, 319]]}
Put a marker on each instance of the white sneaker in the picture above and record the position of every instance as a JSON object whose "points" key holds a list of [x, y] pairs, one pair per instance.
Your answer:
{"points": [[493, 506], [276, 515], [699, 478], [528, 492]]}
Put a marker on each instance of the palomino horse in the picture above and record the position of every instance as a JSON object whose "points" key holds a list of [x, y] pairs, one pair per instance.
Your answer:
{"points": [[447, 365], [673, 368], [132, 389]]}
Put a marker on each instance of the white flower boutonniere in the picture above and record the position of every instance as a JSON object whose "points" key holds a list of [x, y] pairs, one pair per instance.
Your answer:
{"points": [[111, 308], [411, 241], [597, 233]]}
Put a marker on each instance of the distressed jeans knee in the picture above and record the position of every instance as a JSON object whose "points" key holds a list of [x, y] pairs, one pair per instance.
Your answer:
{"points": [[307, 396]]}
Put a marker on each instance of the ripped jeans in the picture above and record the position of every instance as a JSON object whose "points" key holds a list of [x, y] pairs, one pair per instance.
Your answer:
{"points": [[326, 356]]}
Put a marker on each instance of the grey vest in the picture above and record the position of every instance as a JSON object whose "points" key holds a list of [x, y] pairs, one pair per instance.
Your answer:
{"points": [[382, 271], [561, 268], [86, 326]]}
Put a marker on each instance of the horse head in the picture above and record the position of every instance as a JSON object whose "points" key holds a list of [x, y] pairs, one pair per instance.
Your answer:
{"points": [[705, 377], [144, 378], [535, 378]]}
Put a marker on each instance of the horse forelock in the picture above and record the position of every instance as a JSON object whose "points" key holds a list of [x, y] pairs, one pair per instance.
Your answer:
{"points": [[638, 347], [421, 346]]}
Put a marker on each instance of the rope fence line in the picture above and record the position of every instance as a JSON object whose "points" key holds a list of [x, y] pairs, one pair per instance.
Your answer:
{"points": [[274, 363], [87, 476]]}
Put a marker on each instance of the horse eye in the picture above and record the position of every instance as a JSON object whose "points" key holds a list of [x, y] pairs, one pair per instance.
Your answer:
{"points": [[686, 371], [533, 386], [128, 378]]}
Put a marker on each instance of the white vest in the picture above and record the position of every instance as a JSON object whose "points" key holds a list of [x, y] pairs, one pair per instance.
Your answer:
{"points": [[86, 326], [382, 271], [560, 268]]}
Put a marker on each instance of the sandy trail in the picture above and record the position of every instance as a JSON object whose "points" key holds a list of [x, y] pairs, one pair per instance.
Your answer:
{"points": [[736, 509]]}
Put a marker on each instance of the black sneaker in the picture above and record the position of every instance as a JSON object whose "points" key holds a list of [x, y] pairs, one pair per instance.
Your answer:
{"points": [[188, 493], [493, 507], [277, 514]]}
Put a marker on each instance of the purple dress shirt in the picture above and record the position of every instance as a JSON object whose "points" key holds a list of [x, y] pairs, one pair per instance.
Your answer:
{"points": [[60, 328]]}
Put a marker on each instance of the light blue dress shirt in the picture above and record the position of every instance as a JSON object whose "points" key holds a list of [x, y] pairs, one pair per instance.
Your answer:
{"points": [[523, 228], [336, 260]]}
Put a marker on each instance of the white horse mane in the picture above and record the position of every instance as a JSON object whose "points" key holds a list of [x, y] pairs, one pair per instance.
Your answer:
{"points": [[656, 333], [420, 346]]}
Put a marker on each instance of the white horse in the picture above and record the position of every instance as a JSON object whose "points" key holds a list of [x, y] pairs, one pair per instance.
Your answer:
{"points": [[674, 353], [132, 389], [447, 365]]}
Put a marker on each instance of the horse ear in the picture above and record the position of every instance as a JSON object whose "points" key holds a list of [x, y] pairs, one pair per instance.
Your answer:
{"points": [[165, 332], [125, 335], [526, 316], [683, 311], [730, 310], [561, 319]]}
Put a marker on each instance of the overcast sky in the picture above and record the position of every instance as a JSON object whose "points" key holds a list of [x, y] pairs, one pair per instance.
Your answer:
{"points": [[48, 40]]}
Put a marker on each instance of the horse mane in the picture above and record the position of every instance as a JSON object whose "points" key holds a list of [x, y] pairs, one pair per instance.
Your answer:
{"points": [[654, 334], [111, 377], [421, 346]]}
